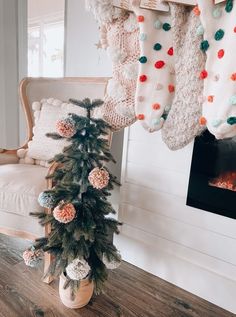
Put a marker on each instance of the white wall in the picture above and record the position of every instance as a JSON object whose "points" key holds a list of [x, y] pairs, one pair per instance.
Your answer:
{"points": [[82, 56], [191, 248], [9, 74], [42, 8], [83, 59]]}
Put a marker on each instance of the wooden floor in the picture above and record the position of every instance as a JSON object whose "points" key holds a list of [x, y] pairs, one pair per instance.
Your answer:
{"points": [[130, 292]]}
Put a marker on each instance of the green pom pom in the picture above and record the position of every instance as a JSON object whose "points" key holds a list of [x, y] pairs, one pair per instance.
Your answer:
{"points": [[204, 45], [157, 47], [143, 59], [219, 35], [166, 26], [229, 6], [231, 120]]}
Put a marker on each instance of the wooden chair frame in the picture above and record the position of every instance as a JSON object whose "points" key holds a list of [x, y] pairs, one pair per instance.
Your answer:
{"points": [[25, 103]]}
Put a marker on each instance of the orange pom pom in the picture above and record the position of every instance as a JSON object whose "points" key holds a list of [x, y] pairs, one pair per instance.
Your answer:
{"points": [[196, 11], [202, 121], [210, 98], [233, 77]]}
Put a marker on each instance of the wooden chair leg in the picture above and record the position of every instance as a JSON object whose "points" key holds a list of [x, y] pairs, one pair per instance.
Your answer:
{"points": [[47, 262]]}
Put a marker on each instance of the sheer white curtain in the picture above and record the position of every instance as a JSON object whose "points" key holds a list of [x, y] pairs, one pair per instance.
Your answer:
{"points": [[46, 38]]}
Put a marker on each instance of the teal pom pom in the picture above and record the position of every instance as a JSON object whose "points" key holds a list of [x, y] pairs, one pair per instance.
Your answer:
{"points": [[219, 35], [217, 13], [204, 46], [231, 120], [157, 47], [216, 123], [200, 30], [157, 24], [166, 26], [229, 6], [47, 200], [143, 59], [156, 122], [143, 37], [232, 100]]}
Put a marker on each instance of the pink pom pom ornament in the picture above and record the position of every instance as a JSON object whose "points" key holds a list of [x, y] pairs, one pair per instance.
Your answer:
{"points": [[64, 213], [32, 257], [99, 178], [66, 128]]}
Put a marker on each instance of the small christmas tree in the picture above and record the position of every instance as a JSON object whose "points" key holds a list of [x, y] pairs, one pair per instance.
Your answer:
{"points": [[80, 238]]}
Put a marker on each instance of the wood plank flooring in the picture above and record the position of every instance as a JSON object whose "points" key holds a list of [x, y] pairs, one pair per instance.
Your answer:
{"points": [[130, 292]]}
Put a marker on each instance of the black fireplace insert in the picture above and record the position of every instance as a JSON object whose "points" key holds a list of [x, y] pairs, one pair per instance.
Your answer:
{"points": [[212, 183]]}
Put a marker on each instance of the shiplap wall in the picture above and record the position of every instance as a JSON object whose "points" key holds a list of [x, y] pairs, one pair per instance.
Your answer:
{"points": [[191, 248]]}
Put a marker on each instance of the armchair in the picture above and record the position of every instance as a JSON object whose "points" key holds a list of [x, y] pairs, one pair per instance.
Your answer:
{"points": [[20, 184]]}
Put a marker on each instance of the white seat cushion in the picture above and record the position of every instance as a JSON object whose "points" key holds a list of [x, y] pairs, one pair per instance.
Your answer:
{"points": [[20, 186]]}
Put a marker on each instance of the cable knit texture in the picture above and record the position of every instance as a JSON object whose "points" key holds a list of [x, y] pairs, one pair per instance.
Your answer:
{"points": [[182, 123], [123, 48]]}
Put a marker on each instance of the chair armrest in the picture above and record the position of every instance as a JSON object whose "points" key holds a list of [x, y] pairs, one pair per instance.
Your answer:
{"points": [[8, 157], [51, 170]]}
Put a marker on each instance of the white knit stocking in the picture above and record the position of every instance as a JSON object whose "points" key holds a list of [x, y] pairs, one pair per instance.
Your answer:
{"points": [[219, 75], [156, 80]]}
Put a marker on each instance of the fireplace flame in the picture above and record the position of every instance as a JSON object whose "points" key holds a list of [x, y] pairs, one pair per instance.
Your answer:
{"points": [[226, 180]]}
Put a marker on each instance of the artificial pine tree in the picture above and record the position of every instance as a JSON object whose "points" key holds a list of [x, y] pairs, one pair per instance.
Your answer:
{"points": [[80, 227]]}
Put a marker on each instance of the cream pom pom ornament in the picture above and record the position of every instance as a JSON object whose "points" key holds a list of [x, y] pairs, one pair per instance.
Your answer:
{"points": [[99, 178], [66, 128], [111, 264], [78, 269], [64, 213]]}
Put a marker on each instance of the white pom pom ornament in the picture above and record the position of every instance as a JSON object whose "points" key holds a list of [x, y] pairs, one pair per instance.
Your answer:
{"points": [[112, 264], [78, 269]]}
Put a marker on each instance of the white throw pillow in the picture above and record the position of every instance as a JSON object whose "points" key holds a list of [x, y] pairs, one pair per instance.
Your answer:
{"points": [[46, 114]]}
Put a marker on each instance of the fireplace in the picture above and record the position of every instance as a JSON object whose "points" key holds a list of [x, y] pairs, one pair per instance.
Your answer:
{"points": [[212, 183]]}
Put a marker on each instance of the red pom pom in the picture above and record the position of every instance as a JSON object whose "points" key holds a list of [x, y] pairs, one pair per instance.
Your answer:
{"points": [[203, 74], [140, 18], [235, 29], [171, 88], [156, 106], [170, 51], [140, 116], [142, 78], [159, 64], [221, 53]]}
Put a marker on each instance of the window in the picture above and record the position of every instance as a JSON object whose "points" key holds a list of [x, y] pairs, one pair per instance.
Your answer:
{"points": [[46, 45]]}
